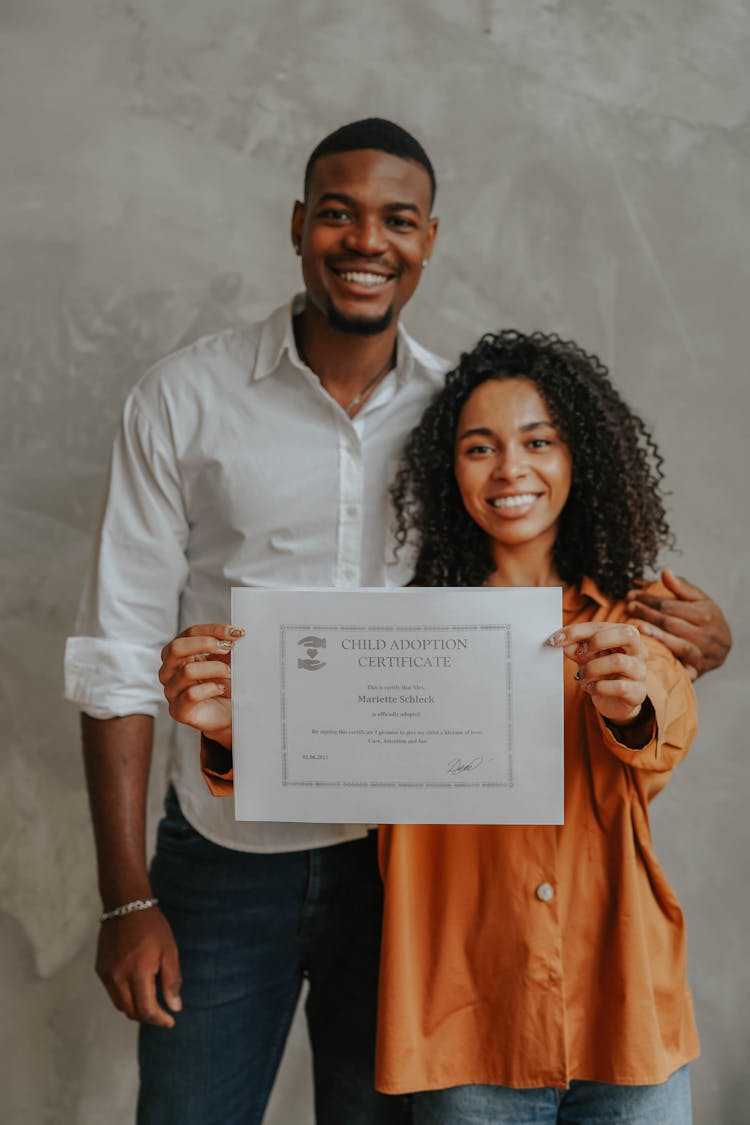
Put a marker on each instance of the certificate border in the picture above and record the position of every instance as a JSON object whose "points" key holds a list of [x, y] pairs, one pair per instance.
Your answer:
{"points": [[507, 784]]}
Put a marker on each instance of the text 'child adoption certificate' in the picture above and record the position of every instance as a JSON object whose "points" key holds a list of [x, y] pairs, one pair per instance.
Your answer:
{"points": [[418, 706]]}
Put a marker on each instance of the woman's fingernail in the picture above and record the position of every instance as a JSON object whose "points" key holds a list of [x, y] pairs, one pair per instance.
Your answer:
{"points": [[555, 639], [582, 649], [235, 632], [579, 674], [589, 686], [226, 644]]}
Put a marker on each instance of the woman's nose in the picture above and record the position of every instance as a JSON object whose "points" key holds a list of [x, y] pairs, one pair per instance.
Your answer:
{"points": [[509, 466]]}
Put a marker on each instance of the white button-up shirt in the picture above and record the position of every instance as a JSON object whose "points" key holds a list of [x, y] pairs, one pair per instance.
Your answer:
{"points": [[234, 467]]}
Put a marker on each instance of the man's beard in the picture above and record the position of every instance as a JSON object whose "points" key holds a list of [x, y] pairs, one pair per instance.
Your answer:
{"points": [[358, 325]]}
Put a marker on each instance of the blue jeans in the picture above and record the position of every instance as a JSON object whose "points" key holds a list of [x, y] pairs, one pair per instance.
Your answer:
{"points": [[585, 1103], [249, 928]]}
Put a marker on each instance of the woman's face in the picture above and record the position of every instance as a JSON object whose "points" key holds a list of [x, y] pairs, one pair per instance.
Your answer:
{"points": [[512, 468]]}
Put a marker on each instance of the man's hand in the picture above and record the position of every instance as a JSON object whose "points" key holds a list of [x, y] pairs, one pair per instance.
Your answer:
{"points": [[197, 678], [691, 625], [133, 950]]}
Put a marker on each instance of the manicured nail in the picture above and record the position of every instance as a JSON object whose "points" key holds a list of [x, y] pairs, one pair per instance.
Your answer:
{"points": [[226, 644], [175, 1003], [579, 674], [555, 639], [589, 686], [235, 632], [582, 649]]}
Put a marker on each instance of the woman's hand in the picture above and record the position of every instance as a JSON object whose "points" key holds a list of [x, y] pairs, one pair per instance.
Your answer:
{"points": [[197, 677], [611, 659]]}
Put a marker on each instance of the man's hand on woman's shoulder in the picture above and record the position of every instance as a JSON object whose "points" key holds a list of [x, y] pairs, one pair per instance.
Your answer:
{"points": [[689, 623]]}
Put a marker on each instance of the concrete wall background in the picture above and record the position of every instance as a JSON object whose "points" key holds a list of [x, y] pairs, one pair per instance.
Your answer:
{"points": [[594, 162]]}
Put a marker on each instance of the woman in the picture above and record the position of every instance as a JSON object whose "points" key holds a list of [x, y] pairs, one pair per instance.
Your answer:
{"points": [[537, 974]]}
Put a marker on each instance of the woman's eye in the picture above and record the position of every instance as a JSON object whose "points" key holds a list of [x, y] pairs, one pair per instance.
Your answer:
{"points": [[539, 443], [479, 449]]}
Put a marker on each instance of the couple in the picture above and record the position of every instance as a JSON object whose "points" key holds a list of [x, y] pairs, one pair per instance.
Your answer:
{"points": [[263, 457]]}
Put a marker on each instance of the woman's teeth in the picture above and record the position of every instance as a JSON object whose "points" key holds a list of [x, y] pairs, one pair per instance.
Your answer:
{"points": [[513, 501]]}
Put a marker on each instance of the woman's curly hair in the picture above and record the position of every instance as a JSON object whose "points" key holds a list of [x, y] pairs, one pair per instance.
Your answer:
{"points": [[613, 524]]}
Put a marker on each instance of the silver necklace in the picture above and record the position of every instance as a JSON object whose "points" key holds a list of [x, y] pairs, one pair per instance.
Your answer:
{"points": [[352, 407], [361, 395]]}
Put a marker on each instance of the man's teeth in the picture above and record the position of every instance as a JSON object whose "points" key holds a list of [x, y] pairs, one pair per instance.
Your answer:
{"points": [[357, 278], [513, 501]]}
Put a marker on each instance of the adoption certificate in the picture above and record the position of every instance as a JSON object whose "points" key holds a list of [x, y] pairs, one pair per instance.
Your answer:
{"points": [[417, 706]]}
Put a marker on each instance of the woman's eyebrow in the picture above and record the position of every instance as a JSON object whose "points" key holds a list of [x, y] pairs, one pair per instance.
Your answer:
{"points": [[478, 430]]}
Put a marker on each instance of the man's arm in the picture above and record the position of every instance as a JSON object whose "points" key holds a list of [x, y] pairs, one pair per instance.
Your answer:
{"points": [[136, 948], [690, 624]]}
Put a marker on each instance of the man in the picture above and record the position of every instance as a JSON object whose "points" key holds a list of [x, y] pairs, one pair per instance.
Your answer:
{"points": [[259, 457]]}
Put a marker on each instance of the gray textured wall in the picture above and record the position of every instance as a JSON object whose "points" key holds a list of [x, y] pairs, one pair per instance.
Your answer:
{"points": [[593, 159]]}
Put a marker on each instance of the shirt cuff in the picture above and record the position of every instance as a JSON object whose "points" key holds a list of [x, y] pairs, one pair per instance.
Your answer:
{"points": [[106, 678], [217, 768]]}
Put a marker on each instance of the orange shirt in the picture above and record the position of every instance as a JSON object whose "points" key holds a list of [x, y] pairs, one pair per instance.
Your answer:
{"points": [[530, 956]]}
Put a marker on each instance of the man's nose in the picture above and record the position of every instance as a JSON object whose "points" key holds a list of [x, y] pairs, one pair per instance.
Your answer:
{"points": [[367, 237]]}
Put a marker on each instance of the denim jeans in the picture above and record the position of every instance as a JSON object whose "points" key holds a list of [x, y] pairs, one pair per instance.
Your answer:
{"points": [[585, 1103], [249, 928]]}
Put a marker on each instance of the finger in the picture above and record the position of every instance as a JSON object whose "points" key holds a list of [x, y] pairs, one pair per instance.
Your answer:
{"points": [[188, 648], [630, 692], [119, 992], [695, 613], [596, 637], [171, 981], [196, 672], [147, 1007], [686, 652], [617, 665], [680, 586]]}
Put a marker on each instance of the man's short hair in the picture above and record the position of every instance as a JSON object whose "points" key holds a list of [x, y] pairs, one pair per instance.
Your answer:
{"points": [[375, 133]]}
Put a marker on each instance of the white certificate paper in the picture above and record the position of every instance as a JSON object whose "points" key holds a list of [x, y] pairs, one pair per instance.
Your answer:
{"points": [[418, 706]]}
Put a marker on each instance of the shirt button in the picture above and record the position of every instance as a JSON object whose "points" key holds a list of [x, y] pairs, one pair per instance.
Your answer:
{"points": [[545, 892]]}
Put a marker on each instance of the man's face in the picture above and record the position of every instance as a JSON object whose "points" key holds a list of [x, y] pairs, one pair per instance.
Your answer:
{"points": [[363, 233]]}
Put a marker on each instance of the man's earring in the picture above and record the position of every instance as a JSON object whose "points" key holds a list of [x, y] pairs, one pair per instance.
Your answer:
{"points": [[297, 249], [425, 262]]}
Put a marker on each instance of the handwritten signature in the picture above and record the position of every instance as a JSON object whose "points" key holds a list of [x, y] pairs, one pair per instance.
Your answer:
{"points": [[457, 765]]}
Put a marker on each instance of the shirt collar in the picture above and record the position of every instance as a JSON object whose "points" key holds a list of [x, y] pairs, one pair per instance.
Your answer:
{"points": [[575, 597], [277, 340]]}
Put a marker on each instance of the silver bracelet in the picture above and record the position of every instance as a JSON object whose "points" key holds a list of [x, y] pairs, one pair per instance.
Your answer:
{"points": [[129, 908]]}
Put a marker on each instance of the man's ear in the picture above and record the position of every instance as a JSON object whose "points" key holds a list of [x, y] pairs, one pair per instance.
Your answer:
{"points": [[431, 235], [298, 224]]}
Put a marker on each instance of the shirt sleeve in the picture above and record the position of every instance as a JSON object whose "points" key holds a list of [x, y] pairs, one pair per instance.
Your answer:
{"points": [[675, 716], [130, 603]]}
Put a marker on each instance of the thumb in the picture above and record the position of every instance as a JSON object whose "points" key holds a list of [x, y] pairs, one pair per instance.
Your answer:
{"points": [[680, 587], [171, 982]]}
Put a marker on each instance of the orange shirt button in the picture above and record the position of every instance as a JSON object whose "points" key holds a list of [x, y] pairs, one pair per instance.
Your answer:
{"points": [[545, 892]]}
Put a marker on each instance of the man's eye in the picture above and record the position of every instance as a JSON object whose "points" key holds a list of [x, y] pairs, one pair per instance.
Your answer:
{"points": [[402, 224], [337, 214]]}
